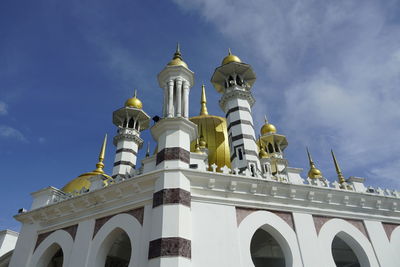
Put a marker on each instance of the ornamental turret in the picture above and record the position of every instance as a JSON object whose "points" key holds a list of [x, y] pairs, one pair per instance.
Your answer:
{"points": [[130, 120], [234, 79]]}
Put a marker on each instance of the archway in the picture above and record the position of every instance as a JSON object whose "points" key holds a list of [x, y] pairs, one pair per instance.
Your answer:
{"points": [[265, 250], [119, 253], [343, 255], [53, 257]]}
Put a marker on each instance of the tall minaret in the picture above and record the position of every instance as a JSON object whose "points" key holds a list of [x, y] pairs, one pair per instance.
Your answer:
{"points": [[234, 80], [130, 120], [171, 231]]}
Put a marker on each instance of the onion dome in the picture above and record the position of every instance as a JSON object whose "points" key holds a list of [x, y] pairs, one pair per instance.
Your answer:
{"points": [[83, 180], [134, 102], [267, 128], [177, 60], [230, 58], [313, 173], [213, 134]]}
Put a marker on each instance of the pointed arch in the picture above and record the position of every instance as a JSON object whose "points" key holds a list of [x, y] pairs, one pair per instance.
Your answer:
{"points": [[353, 237], [395, 239], [277, 228], [105, 237], [60, 239]]}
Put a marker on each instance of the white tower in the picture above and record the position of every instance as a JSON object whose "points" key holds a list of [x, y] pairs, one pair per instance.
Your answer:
{"points": [[171, 214], [130, 120], [234, 80]]}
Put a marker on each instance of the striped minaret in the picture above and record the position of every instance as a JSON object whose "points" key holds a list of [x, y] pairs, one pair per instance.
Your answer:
{"points": [[130, 120], [234, 80], [171, 233]]}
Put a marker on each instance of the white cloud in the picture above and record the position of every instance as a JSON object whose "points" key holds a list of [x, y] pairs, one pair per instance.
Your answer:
{"points": [[331, 70], [10, 132], [3, 108]]}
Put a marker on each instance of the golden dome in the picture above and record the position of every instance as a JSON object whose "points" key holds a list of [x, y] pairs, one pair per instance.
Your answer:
{"points": [[267, 127], [230, 58], [177, 60], [263, 154], [83, 180], [214, 133], [134, 102], [313, 173]]}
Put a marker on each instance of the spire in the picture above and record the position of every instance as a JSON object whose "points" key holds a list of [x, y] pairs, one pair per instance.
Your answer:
{"points": [[229, 52], [197, 147], [203, 101], [100, 164], [135, 94], [338, 171], [313, 172], [178, 52], [265, 119]]}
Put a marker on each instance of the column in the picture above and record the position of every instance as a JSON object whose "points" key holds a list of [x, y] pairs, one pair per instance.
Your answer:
{"points": [[170, 98], [178, 97], [185, 99], [165, 107]]}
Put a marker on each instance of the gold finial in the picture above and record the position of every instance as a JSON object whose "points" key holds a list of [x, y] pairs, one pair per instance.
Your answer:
{"points": [[267, 128], [203, 101], [177, 59], [313, 172], [230, 58], [197, 147], [134, 102], [178, 52], [100, 164], [338, 171], [202, 141], [148, 150]]}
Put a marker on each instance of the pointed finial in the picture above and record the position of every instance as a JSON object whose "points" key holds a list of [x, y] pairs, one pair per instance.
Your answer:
{"points": [[197, 146], [202, 141], [309, 157], [148, 150], [135, 94], [313, 172], [265, 119], [100, 164], [229, 51], [338, 171], [178, 52], [203, 101]]}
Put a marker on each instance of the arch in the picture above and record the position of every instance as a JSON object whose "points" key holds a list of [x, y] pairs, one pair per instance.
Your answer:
{"points": [[277, 228], [45, 251], [104, 239], [353, 237]]}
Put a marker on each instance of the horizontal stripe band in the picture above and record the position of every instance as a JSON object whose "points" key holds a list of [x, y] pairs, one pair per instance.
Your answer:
{"points": [[169, 247], [171, 196], [126, 150], [123, 162], [236, 109], [173, 153], [240, 122]]}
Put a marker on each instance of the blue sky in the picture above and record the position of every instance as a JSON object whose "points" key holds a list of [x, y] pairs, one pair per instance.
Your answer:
{"points": [[328, 76]]}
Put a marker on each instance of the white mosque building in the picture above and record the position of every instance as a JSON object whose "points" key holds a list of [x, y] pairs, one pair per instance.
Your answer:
{"points": [[212, 195]]}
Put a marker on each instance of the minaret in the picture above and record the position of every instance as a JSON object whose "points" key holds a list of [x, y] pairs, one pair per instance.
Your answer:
{"points": [[234, 80], [130, 120], [171, 232]]}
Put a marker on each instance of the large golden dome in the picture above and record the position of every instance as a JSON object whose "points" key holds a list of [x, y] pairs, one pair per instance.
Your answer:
{"points": [[83, 180], [215, 133], [230, 58]]}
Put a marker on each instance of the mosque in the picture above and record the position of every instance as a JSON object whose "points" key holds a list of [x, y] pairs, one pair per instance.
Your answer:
{"points": [[212, 194]]}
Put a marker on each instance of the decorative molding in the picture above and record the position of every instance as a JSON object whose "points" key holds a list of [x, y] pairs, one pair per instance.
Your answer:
{"points": [[242, 213], [389, 228], [170, 247], [171, 196], [138, 213], [173, 153], [319, 221], [69, 229]]}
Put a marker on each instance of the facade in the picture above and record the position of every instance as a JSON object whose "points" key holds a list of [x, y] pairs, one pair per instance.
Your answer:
{"points": [[213, 194]]}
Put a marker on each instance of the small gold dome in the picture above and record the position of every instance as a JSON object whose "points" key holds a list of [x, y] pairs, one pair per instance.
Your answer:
{"points": [[177, 60], [134, 102], [230, 58], [263, 154], [314, 173], [267, 127]]}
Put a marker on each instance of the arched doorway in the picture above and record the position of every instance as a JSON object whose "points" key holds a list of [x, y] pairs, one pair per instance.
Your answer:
{"points": [[119, 253], [265, 250], [57, 259], [343, 255]]}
